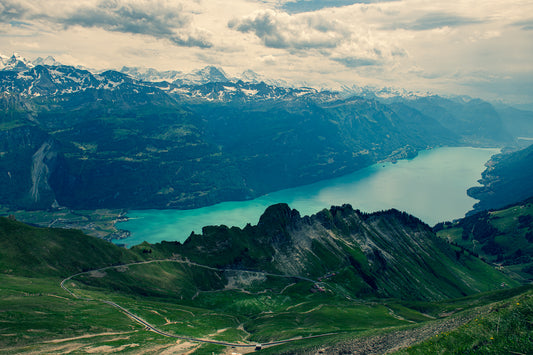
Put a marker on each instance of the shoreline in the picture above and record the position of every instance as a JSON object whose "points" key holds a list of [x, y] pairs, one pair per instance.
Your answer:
{"points": [[176, 225]]}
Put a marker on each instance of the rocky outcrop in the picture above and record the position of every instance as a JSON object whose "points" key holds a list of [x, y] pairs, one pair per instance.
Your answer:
{"points": [[384, 254], [26, 162], [42, 165]]}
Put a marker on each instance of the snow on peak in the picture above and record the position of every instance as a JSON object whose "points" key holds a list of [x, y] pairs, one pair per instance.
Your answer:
{"points": [[46, 61], [381, 92], [17, 63], [3, 61], [251, 77], [151, 74], [212, 74]]}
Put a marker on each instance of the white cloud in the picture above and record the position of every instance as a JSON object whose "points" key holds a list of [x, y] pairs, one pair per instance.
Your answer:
{"points": [[160, 19], [281, 30], [268, 59], [416, 44]]}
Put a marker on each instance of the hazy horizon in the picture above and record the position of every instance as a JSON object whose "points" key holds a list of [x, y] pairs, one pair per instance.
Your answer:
{"points": [[480, 49]]}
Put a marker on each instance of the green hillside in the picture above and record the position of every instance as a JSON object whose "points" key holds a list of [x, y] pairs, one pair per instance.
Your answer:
{"points": [[33, 252], [503, 237], [340, 273], [507, 180]]}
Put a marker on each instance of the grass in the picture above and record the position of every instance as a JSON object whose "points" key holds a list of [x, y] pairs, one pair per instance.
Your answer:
{"points": [[42, 312], [503, 240], [191, 301], [217, 313], [188, 300], [452, 306], [321, 319], [504, 327], [36, 309]]}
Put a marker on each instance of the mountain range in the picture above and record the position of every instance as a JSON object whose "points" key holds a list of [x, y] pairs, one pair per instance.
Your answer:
{"points": [[85, 140], [198, 77]]}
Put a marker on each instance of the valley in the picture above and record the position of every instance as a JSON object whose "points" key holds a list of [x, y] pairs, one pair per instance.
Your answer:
{"points": [[96, 223], [318, 268], [441, 174], [87, 141], [233, 286]]}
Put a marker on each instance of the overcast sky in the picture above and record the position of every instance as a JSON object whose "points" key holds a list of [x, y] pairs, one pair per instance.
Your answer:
{"points": [[473, 47]]}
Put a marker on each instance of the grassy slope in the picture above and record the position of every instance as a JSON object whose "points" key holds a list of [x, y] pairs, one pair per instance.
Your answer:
{"points": [[503, 327], [460, 326], [503, 237], [32, 251]]}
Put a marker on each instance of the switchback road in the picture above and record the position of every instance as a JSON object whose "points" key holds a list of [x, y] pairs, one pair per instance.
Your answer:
{"points": [[152, 328]]}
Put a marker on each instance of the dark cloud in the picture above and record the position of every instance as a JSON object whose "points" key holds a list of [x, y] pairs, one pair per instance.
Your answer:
{"points": [[526, 25], [148, 18], [153, 18], [279, 30], [354, 62], [264, 26], [298, 6], [11, 10], [433, 21]]}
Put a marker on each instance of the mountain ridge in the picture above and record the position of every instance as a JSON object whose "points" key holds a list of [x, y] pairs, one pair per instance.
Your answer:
{"points": [[382, 254], [370, 251]]}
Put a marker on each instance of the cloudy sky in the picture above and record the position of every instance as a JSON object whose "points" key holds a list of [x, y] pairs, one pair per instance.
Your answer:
{"points": [[473, 47]]}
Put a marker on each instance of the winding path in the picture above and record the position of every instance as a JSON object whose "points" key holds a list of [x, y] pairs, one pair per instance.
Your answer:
{"points": [[192, 339]]}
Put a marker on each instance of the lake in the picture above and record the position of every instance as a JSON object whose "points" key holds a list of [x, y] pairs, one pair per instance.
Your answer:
{"points": [[431, 186]]}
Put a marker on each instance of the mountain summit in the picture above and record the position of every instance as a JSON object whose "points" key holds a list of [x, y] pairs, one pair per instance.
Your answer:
{"points": [[16, 63]]}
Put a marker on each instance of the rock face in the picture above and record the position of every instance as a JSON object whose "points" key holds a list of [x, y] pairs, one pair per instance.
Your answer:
{"points": [[385, 254], [42, 165]]}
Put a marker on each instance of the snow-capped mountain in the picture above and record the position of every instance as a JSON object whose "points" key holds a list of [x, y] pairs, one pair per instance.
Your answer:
{"points": [[209, 74], [245, 91], [3, 61], [152, 75], [46, 61], [16, 63], [44, 80], [384, 93], [252, 77], [47, 77], [202, 76]]}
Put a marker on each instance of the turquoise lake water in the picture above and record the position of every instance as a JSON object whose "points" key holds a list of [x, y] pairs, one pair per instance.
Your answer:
{"points": [[431, 186]]}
